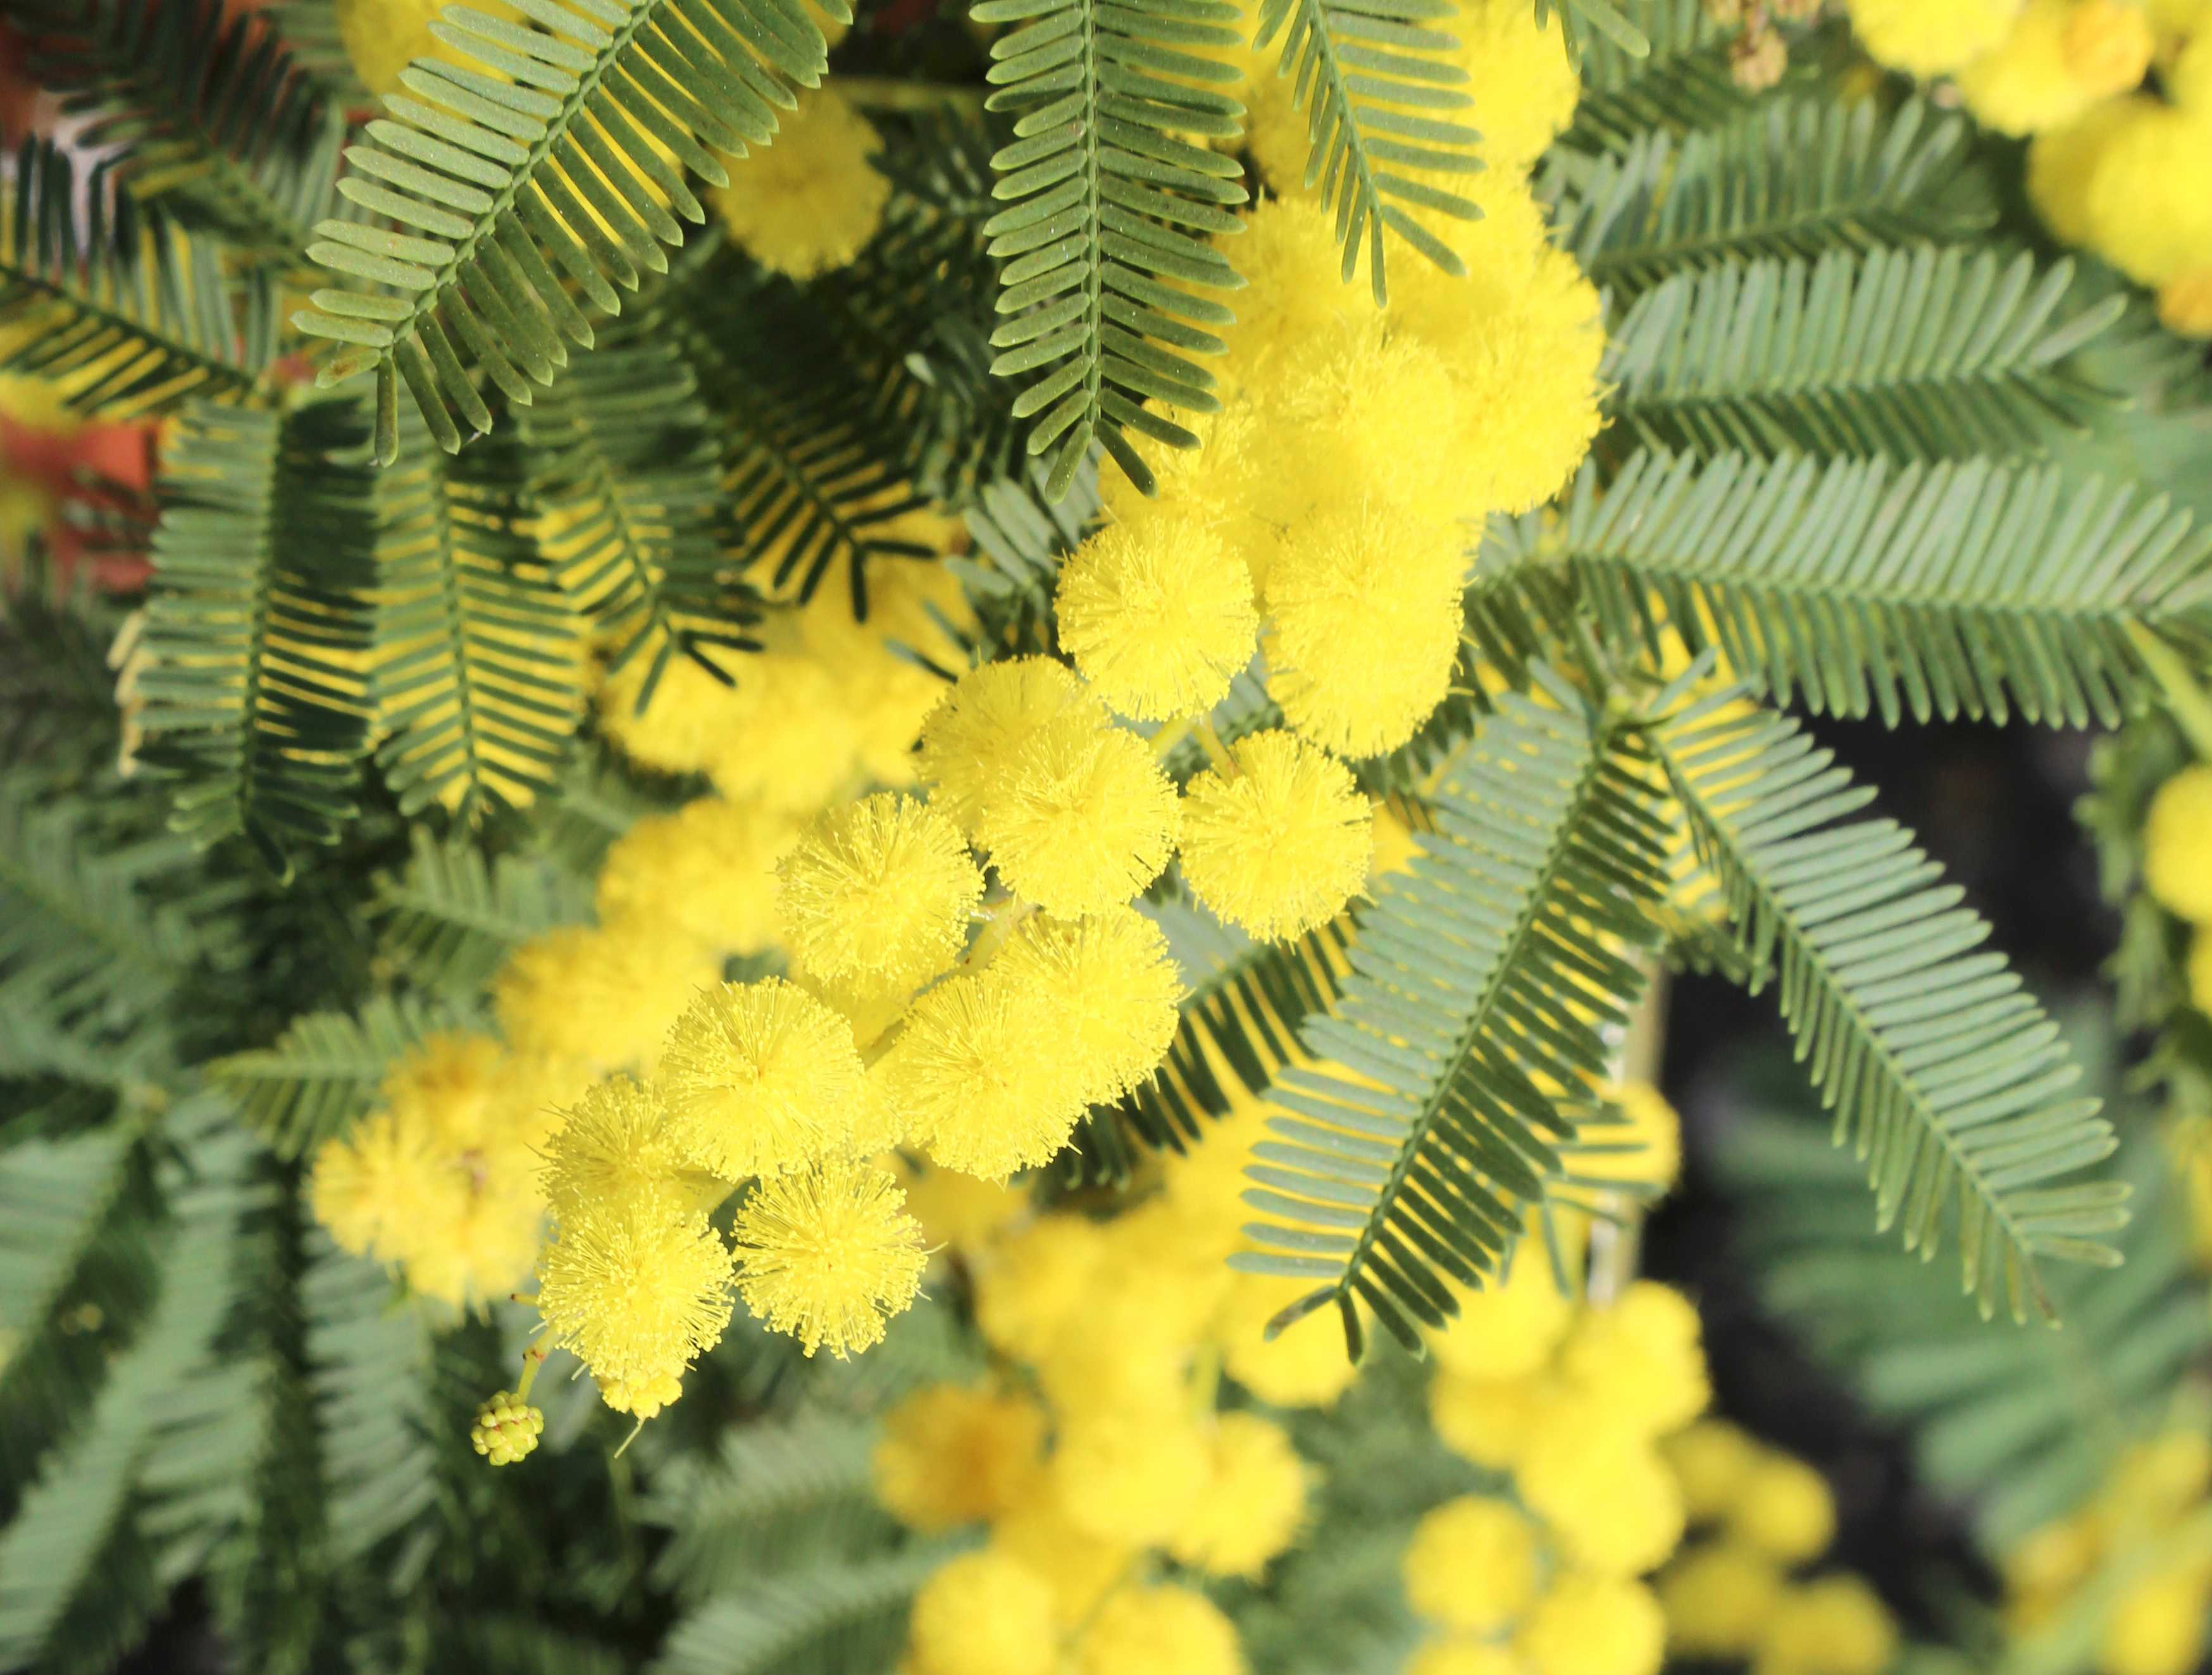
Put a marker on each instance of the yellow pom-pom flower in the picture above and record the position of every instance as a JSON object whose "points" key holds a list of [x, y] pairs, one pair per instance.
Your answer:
{"points": [[1712, 1460], [1078, 1567], [1520, 77], [1609, 1500], [1642, 1355], [678, 728], [708, 872], [984, 1613], [615, 1147], [1161, 1630], [1304, 1365], [1283, 843], [989, 715], [2176, 841], [1471, 1564], [372, 1185], [1594, 1626], [1510, 1328], [636, 1291], [879, 891], [2144, 213], [1465, 1657], [507, 1428], [1111, 985], [1364, 626], [1129, 1475], [1252, 1503], [1836, 1625], [1652, 1140], [1718, 1600], [602, 996], [761, 1078], [811, 200], [2060, 58], [1158, 614], [2157, 1626], [1490, 1422], [829, 1255], [1782, 1508], [953, 1454], [1081, 819], [970, 1077], [1036, 1283], [1930, 41]]}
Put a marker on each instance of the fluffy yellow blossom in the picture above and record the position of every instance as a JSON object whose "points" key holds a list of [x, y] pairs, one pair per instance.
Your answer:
{"points": [[614, 1147], [2061, 57], [1036, 1283], [1078, 1567], [1158, 615], [1471, 1564], [1465, 1657], [970, 1077], [1833, 1625], [1305, 1365], [690, 711], [1488, 1421], [2140, 209], [1594, 1626], [1161, 1630], [812, 199], [1930, 41], [828, 1254], [375, 1181], [1642, 1354], [2062, 166], [1653, 1134], [1364, 626], [1111, 988], [954, 1455], [603, 996], [1718, 1599], [1783, 1508], [761, 1078], [480, 1253], [961, 1211], [1129, 1475], [2157, 1626], [880, 889], [2176, 841], [984, 1613], [1081, 819], [708, 872], [1712, 1461], [636, 1291], [1510, 1328], [1609, 1500], [795, 742], [1253, 1502], [1521, 81], [989, 715], [1281, 845]]}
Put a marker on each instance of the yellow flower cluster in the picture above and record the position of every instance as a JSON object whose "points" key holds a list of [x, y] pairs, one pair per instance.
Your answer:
{"points": [[2115, 166], [1107, 1476], [1731, 1597], [812, 200], [2138, 1543], [1574, 1401], [2177, 866]]}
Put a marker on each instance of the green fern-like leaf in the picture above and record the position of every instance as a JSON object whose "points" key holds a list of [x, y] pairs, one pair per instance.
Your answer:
{"points": [[1381, 94], [1797, 177], [322, 1072], [1944, 1074], [208, 112], [1112, 193], [1679, 83], [452, 914], [478, 683], [1959, 590], [1478, 974], [540, 169], [369, 1368], [838, 1616], [1916, 354], [257, 625], [125, 313]]}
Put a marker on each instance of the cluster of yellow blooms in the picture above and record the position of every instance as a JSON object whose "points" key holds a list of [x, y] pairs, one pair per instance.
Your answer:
{"points": [[2142, 1547], [1730, 1596], [2177, 866], [2115, 166]]}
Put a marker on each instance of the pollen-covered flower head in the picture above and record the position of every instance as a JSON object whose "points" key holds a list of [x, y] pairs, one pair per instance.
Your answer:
{"points": [[676, 729], [636, 1290], [1162, 1630], [707, 871], [602, 995], [1282, 844], [1930, 41], [976, 1075], [1158, 615], [1364, 625], [1471, 1564], [2060, 57], [828, 1254], [990, 713], [614, 1148], [953, 1454], [372, 1184], [761, 1077], [984, 1613], [810, 200], [1082, 818], [1253, 1503], [1112, 984], [878, 893], [1594, 1626]]}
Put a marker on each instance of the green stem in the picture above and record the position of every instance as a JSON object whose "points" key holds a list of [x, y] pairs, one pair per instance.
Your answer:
{"points": [[2184, 698]]}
